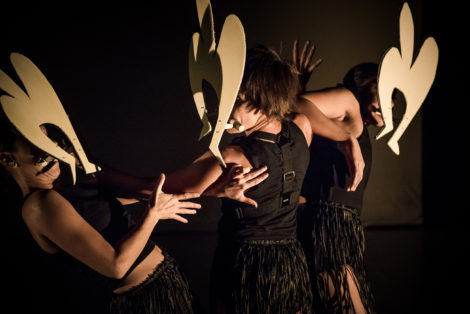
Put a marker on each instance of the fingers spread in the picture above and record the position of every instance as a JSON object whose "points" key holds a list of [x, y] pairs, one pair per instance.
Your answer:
{"points": [[248, 201], [308, 58], [256, 173], [187, 196], [187, 211], [314, 65], [304, 50], [179, 218], [295, 52], [189, 205], [256, 180]]}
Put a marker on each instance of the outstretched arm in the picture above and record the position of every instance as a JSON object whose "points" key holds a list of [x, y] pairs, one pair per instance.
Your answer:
{"points": [[55, 224], [205, 175], [126, 187]]}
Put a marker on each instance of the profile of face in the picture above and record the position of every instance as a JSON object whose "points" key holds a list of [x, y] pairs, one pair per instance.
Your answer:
{"points": [[33, 167], [244, 114], [374, 114], [36, 169]]}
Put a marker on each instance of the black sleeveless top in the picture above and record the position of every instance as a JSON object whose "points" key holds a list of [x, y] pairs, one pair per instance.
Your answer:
{"points": [[328, 172], [277, 196], [88, 287]]}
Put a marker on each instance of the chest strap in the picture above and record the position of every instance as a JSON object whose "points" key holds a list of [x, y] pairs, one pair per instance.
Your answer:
{"points": [[289, 194]]}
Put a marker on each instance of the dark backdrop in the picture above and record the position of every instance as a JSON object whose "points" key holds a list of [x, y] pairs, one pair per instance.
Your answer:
{"points": [[121, 74]]}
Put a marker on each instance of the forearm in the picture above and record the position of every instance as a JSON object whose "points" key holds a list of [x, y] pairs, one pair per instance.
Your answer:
{"points": [[124, 185], [321, 124], [128, 249], [197, 177]]}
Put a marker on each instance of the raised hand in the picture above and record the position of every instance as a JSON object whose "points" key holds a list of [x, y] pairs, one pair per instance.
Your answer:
{"points": [[303, 62], [244, 179], [171, 206]]}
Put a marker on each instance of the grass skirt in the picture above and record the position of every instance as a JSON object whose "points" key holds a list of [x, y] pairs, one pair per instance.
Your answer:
{"points": [[333, 238], [261, 276], [166, 290]]}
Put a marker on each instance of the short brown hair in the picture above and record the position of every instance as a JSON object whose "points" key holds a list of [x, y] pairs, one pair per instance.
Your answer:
{"points": [[269, 83]]}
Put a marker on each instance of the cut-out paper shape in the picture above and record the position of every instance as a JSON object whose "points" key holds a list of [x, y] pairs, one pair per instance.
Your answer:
{"points": [[37, 105], [221, 66], [413, 80]]}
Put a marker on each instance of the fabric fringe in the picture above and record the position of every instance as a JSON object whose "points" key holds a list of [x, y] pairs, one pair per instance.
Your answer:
{"points": [[166, 290], [265, 276], [333, 239]]}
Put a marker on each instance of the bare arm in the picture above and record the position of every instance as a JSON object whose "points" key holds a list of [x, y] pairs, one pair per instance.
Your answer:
{"points": [[323, 126], [320, 123], [127, 188], [49, 216], [339, 105], [205, 175], [333, 113], [196, 177]]}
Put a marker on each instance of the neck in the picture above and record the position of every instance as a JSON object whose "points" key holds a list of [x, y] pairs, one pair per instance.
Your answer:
{"points": [[265, 125], [25, 189]]}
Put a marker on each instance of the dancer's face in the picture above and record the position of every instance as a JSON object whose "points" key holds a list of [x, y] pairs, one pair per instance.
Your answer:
{"points": [[35, 168], [244, 114], [375, 114], [39, 170]]}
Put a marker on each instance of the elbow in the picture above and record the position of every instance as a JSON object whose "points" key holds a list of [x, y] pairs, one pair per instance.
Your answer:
{"points": [[345, 137], [118, 270]]}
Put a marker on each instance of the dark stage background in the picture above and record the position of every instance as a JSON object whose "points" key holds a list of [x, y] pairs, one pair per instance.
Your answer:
{"points": [[122, 76]]}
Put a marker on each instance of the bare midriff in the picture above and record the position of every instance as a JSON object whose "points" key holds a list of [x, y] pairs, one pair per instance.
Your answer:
{"points": [[142, 271]]}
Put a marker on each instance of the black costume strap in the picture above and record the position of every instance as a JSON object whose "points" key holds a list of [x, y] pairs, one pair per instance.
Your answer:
{"points": [[289, 194]]}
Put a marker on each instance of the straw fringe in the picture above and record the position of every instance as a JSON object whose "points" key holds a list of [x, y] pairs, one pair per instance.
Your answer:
{"points": [[333, 238], [166, 290], [266, 276]]}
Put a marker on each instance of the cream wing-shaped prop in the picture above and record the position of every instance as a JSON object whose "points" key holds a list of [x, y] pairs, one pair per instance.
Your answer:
{"points": [[204, 62], [414, 80], [28, 110], [220, 66]]}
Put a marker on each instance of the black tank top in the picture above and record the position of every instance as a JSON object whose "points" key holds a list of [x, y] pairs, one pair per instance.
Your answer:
{"points": [[328, 171], [275, 216], [107, 215]]}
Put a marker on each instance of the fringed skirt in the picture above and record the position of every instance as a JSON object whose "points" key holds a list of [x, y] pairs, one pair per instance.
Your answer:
{"points": [[261, 276], [333, 238], [166, 290]]}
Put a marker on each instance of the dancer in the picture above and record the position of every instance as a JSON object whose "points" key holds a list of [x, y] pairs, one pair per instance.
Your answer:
{"points": [[83, 231], [329, 215], [259, 265]]}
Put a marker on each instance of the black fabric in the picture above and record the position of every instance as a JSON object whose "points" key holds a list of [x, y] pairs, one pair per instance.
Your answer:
{"points": [[34, 282], [107, 216], [271, 219], [328, 172], [259, 266], [166, 290], [58, 283]]}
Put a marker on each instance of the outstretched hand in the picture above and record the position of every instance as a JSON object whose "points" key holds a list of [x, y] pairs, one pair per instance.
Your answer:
{"points": [[242, 180], [303, 62], [171, 206]]}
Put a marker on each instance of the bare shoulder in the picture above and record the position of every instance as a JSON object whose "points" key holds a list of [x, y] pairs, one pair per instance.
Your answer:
{"points": [[42, 203], [347, 98], [303, 123], [234, 154]]}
